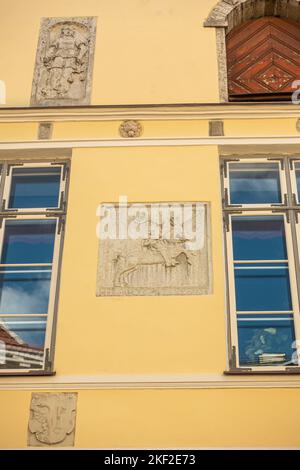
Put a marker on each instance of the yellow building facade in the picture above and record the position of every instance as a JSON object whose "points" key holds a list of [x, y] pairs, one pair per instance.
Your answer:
{"points": [[148, 371]]}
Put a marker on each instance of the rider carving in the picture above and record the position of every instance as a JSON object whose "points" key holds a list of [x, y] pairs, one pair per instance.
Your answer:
{"points": [[168, 249]]}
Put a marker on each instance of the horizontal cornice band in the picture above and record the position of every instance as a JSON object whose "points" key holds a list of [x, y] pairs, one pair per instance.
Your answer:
{"points": [[152, 142], [137, 382], [154, 112]]}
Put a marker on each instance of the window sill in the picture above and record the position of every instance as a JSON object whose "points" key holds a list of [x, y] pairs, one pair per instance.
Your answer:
{"points": [[241, 371], [31, 373]]}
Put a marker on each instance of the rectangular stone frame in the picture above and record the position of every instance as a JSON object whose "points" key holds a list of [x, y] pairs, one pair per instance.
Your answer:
{"points": [[91, 23], [105, 285]]}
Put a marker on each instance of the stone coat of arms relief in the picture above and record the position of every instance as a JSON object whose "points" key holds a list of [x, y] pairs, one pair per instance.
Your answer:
{"points": [[155, 266], [64, 61], [52, 419]]}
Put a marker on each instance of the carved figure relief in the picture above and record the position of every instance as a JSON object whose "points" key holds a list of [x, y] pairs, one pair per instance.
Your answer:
{"points": [[165, 253], [64, 61], [52, 419], [154, 265]]}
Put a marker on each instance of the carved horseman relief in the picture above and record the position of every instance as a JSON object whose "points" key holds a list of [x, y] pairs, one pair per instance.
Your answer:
{"points": [[154, 265], [64, 62], [52, 419]]}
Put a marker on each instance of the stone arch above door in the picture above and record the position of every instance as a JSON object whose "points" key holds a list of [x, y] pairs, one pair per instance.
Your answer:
{"points": [[228, 14]]}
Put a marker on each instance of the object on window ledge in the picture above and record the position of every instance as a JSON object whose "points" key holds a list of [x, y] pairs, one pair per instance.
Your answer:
{"points": [[271, 358]]}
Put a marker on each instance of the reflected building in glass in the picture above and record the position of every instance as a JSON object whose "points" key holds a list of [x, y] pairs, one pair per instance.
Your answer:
{"points": [[147, 343]]}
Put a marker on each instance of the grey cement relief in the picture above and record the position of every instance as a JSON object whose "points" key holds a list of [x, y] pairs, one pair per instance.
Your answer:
{"points": [[45, 130], [152, 264], [64, 62], [130, 129], [52, 419]]}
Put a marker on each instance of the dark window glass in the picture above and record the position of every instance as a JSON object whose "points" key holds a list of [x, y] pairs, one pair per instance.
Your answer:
{"points": [[252, 183], [262, 288], [24, 290], [297, 168], [263, 298], [259, 238], [26, 266], [28, 241], [266, 342], [34, 188]]}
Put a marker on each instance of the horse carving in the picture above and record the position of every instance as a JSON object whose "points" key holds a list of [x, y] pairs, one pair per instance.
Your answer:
{"points": [[168, 253]]}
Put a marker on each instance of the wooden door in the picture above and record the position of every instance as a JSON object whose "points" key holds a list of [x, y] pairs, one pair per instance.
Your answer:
{"points": [[263, 59]]}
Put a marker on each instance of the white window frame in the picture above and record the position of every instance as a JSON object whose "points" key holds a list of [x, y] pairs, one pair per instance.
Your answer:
{"points": [[58, 214], [286, 164], [8, 181], [231, 283], [257, 161], [294, 180]]}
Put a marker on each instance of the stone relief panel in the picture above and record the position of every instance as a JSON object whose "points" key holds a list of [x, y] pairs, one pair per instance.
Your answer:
{"points": [[152, 264], [131, 129], [216, 128], [52, 419], [64, 62], [45, 130]]}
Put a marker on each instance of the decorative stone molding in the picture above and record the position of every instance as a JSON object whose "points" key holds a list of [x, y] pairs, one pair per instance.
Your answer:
{"points": [[216, 128], [222, 64], [144, 381], [64, 62], [153, 264], [45, 130], [231, 13], [227, 14], [218, 15], [131, 129], [52, 419]]}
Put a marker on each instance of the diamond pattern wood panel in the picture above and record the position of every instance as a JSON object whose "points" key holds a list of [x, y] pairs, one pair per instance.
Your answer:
{"points": [[263, 58]]}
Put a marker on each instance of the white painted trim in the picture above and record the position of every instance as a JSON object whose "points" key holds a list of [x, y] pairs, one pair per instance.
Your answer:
{"points": [[153, 142], [202, 111], [2, 92], [141, 382]]}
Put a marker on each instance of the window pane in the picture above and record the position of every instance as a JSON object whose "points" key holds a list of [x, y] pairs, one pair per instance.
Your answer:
{"points": [[260, 339], [262, 289], [28, 241], [22, 342], [254, 183], [25, 290], [297, 168], [34, 187], [259, 237]]}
